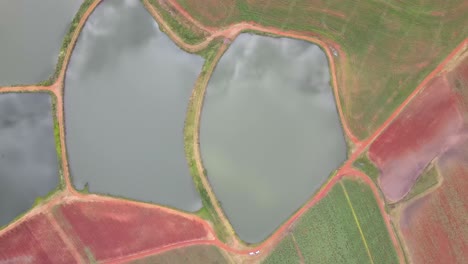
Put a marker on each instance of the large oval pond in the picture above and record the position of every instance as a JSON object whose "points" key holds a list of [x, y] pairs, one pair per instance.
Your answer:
{"points": [[126, 93], [31, 33], [28, 160], [270, 133]]}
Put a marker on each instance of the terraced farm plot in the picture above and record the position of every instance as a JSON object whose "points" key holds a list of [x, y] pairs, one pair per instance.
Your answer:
{"points": [[386, 47], [186, 255], [346, 226]]}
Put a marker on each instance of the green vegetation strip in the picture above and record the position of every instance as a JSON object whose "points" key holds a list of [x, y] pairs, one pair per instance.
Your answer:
{"points": [[364, 164], [329, 231], [189, 35], [208, 211], [428, 179]]}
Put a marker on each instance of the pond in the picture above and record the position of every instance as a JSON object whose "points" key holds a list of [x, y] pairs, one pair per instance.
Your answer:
{"points": [[31, 33], [126, 94], [28, 160], [270, 134]]}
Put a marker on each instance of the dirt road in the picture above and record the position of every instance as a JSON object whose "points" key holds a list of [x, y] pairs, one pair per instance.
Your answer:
{"points": [[231, 32]]}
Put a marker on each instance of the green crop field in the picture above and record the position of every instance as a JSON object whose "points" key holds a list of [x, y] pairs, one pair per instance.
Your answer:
{"points": [[344, 227], [190, 34], [365, 165], [428, 179], [285, 252], [372, 224], [390, 46]]}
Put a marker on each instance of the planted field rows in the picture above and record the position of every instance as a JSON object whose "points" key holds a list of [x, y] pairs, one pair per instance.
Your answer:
{"points": [[346, 226]]}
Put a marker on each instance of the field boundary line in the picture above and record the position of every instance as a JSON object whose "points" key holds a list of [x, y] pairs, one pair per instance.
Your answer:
{"points": [[299, 252], [68, 243], [357, 222]]}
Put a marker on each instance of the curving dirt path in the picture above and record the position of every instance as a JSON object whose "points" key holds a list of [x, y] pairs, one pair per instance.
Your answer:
{"points": [[231, 32]]}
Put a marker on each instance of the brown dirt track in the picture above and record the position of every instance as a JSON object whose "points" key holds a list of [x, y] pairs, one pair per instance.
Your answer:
{"points": [[70, 194]]}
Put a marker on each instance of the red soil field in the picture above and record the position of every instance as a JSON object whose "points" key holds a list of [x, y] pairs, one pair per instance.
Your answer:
{"points": [[435, 226], [113, 229], [34, 241], [425, 128]]}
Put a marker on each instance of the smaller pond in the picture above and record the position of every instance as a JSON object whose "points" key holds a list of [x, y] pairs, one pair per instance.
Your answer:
{"points": [[31, 34], [28, 160], [126, 94], [270, 133]]}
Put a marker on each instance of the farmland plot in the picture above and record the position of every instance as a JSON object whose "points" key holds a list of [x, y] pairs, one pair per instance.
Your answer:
{"points": [[344, 227], [112, 229]]}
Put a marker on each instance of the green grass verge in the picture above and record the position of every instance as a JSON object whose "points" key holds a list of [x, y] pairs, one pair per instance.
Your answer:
{"points": [[364, 164], [329, 233], [58, 143], [189, 35], [390, 45], [429, 178], [208, 211]]}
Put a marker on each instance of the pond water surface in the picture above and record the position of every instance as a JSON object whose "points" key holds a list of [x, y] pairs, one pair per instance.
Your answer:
{"points": [[28, 160], [270, 133], [126, 95], [31, 34]]}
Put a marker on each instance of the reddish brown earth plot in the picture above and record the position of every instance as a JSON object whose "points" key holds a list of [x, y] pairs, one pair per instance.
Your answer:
{"points": [[425, 128], [34, 241], [84, 228], [434, 227], [113, 229]]}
